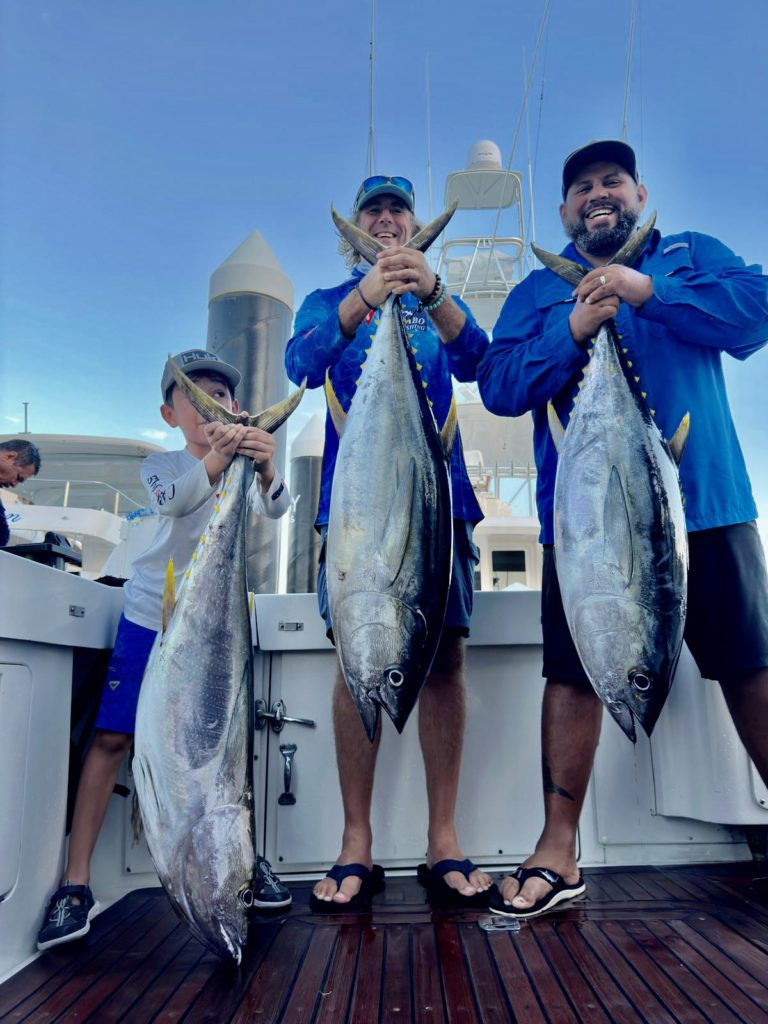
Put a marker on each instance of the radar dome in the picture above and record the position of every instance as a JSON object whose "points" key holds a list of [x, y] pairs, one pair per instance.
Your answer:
{"points": [[484, 156]]}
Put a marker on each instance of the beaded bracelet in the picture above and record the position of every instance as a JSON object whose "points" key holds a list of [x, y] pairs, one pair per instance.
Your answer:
{"points": [[360, 293], [433, 295], [432, 306]]}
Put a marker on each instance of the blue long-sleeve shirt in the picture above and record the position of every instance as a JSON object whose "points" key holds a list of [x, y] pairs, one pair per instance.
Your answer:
{"points": [[705, 301], [318, 345]]}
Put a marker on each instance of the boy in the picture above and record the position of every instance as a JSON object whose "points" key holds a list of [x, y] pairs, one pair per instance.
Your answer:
{"points": [[182, 486]]}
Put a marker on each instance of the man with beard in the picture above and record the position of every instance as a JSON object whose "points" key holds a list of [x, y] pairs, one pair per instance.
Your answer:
{"points": [[685, 301]]}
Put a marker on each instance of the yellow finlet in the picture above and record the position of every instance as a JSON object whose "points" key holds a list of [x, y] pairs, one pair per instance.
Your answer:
{"points": [[169, 595]]}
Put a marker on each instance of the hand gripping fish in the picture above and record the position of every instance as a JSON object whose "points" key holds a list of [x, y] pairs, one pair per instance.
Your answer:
{"points": [[194, 722], [621, 546], [390, 530]]}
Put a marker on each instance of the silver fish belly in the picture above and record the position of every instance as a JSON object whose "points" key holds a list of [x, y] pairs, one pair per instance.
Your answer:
{"points": [[390, 533], [620, 542], [194, 734]]}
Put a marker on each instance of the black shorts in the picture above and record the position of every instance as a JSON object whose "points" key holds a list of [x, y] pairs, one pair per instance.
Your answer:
{"points": [[726, 627]]}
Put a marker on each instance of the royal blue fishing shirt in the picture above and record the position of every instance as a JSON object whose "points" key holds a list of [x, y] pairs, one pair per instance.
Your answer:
{"points": [[318, 345], [706, 301]]}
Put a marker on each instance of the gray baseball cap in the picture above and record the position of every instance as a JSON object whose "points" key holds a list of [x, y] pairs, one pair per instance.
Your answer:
{"points": [[197, 360]]}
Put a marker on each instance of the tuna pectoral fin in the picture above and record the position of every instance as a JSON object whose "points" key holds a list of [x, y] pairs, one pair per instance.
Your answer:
{"points": [[448, 433], [617, 549], [556, 428], [337, 414], [169, 595], [398, 525], [273, 417], [678, 440]]}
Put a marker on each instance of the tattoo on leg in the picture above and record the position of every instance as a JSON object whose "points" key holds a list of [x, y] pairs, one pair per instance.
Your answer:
{"points": [[550, 786]]}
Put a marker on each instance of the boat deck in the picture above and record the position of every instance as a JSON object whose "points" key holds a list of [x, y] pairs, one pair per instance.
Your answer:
{"points": [[649, 944]]}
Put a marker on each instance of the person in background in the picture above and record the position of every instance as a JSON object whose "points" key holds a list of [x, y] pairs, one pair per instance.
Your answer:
{"points": [[19, 460]]}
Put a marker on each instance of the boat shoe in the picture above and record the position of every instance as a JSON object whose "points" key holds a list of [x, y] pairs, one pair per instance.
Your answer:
{"points": [[559, 893], [269, 892], [66, 920]]}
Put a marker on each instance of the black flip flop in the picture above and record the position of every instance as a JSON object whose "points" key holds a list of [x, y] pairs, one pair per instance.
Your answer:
{"points": [[371, 883], [559, 893], [443, 896]]}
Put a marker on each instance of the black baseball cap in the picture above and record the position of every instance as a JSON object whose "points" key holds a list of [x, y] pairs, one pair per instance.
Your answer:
{"points": [[600, 151]]}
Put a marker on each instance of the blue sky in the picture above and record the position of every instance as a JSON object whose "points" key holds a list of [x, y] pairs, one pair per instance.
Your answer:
{"points": [[141, 142]]}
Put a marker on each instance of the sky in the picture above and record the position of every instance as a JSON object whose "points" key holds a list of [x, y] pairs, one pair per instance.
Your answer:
{"points": [[141, 142]]}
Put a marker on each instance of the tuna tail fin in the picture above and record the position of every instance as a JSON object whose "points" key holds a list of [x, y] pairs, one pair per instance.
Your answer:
{"points": [[635, 244], [205, 405], [573, 272], [424, 238], [556, 428], [678, 440], [335, 410], [448, 433], [567, 269], [276, 415], [363, 244], [369, 248], [270, 419], [169, 595]]}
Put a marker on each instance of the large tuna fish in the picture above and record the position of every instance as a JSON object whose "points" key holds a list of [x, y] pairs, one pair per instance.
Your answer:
{"points": [[390, 531], [620, 539], [194, 722]]}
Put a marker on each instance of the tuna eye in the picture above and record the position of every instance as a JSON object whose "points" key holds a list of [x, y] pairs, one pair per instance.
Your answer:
{"points": [[640, 681], [395, 677], [246, 896]]}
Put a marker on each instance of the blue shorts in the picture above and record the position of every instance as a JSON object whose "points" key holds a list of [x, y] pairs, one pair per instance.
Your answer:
{"points": [[460, 597], [120, 698]]}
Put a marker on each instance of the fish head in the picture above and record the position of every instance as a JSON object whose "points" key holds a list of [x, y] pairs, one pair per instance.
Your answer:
{"points": [[381, 643], [215, 872], [617, 641]]}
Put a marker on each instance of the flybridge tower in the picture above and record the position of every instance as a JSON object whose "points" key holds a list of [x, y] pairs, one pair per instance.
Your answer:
{"points": [[483, 268]]}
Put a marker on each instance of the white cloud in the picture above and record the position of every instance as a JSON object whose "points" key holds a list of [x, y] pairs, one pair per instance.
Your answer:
{"points": [[154, 435]]}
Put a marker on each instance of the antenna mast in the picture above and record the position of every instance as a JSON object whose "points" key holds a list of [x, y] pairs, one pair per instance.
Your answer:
{"points": [[630, 48], [429, 142], [371, 155]]}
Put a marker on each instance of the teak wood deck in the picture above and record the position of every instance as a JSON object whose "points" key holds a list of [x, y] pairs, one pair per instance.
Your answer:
{"points": [[649, 944]]}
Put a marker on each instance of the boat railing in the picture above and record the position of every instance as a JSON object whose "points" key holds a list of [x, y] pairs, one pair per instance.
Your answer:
{"points": [[96, 494], [512, 483]]}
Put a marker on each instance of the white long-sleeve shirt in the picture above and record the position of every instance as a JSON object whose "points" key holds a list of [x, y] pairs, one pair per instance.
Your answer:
{"points": [[179, 490]]}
